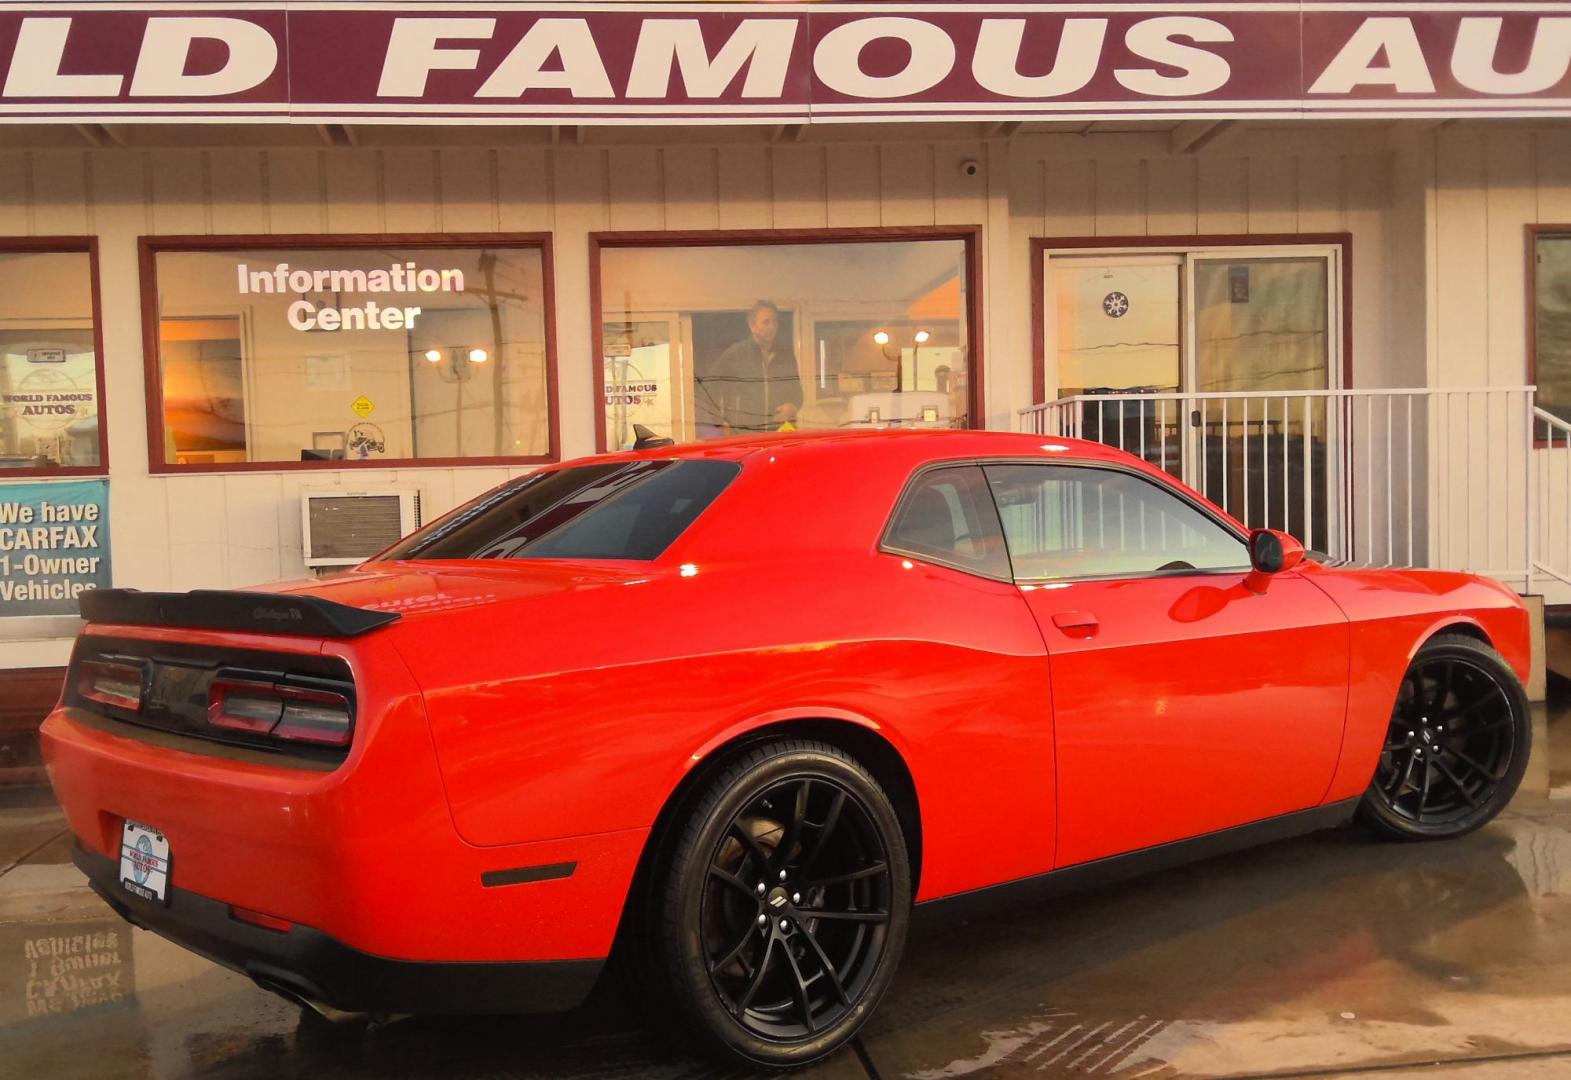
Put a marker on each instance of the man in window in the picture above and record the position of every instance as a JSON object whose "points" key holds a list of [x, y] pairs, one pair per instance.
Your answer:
{"points": [[755, 380]]}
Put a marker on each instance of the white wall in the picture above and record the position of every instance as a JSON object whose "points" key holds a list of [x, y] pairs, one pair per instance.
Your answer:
{"points": [[1480, 187], [217, 530], [1436, 219]]}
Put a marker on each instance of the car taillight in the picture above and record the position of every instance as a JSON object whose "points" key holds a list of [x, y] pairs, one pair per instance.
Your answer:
{"points": [[110, 682], [283, 712]]}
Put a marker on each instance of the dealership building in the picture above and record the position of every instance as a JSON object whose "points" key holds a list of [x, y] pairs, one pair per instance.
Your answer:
{"points": [[279, 280]]}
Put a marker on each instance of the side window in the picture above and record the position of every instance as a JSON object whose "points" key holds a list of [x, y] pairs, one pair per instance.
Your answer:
{"points": [[1064, 521], [948, 516]]}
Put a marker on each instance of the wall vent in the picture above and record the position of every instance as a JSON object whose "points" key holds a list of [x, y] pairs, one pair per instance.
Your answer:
{"points": [[346, 526]]}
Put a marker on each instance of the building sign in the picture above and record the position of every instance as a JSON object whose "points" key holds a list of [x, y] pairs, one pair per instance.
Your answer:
{"points": [[322, 312], [54, 545], [313, 62]]}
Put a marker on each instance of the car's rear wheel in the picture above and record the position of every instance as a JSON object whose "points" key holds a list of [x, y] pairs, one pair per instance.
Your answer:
{"points": [[785, 904], [1456, 747]]}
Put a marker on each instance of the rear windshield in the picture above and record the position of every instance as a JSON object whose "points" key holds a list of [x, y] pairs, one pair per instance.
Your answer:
{"points": [[620, 510]]}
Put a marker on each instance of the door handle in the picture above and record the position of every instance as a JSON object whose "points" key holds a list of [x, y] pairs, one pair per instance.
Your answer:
{"points": [[1076, 623]]}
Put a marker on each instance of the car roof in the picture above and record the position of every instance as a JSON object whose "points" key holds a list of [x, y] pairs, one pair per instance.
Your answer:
{"points": [[913, 444], [818, 493]]}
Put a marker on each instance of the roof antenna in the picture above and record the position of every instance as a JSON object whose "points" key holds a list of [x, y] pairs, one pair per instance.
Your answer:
{"points": [[644, 439]]}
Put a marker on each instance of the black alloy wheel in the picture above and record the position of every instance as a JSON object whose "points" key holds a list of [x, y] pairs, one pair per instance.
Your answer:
{"points": [[1456, 747], [787, 904]]}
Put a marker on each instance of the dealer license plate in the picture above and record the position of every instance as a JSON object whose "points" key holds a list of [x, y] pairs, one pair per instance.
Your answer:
{"points": [[144, 861]]}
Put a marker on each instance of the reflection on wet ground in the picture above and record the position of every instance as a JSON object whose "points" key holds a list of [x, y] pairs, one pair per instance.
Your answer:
{"points": [[1328, 956]]}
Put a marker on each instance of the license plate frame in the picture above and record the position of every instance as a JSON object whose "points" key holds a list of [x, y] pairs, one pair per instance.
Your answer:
{"points": [[145, 862]]}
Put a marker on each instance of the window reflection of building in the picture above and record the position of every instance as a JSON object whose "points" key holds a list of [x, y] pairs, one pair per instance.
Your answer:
{"points": [[670, 313]]}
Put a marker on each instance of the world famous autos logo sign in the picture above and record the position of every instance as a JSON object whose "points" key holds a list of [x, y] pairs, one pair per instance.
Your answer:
{"points": [[313, 61]]}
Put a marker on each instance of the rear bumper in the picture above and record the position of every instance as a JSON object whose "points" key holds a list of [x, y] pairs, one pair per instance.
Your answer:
{"points": [[306, 963], [365, 854]]}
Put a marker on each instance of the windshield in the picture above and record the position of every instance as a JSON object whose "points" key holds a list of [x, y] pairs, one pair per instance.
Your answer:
{"points": [[615, 510]]}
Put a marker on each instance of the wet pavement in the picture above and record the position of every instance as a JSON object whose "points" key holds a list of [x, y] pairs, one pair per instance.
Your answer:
{"points": [[1333, 955]]}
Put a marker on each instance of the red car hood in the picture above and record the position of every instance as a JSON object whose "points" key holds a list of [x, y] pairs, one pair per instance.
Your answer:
{"points": [[416, 588]]}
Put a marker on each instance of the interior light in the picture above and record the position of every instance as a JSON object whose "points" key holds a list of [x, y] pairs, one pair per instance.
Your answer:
{"points": [[921, 336], [881, 337], [434, 355], [478, 356]]}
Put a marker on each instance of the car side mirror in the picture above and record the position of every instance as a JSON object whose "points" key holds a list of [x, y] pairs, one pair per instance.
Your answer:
{"points": [[1271, 552]]}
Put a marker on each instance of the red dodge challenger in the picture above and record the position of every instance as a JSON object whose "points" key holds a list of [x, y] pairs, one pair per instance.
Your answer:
{"points": [[727, 711]]}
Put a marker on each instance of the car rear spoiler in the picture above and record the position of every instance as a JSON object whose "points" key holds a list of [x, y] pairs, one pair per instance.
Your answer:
{"points": [[221, 609]]}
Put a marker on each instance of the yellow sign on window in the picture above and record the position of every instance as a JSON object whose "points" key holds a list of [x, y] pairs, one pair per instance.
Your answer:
{"points": [[362, 406]]}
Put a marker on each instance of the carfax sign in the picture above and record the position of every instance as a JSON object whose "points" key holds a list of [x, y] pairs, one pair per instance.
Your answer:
{"points": [[54, 545]]}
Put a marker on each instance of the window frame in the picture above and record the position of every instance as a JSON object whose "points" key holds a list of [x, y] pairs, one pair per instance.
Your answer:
{"points": [[149, 247], [1206, 510], [970, 235], [1201, 244], [1533, 233], [71, 245], [916, 477]]}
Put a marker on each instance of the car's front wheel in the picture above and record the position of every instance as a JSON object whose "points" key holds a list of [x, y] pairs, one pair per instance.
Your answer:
{"points": [[784, 904], [1456, 747]]}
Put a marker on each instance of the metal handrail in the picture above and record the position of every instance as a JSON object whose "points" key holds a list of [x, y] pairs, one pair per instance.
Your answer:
{"points": [[1556, 436], [1384, 476], [1182, 395]]}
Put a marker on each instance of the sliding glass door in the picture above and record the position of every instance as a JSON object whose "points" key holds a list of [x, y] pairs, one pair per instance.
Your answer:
{"points": [[1204, 363]]}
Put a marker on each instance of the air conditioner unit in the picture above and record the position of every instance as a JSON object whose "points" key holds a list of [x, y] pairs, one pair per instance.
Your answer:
{"points": [[344, 526]]}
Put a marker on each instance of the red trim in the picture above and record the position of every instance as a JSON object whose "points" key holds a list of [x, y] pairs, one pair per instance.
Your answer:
{"points": [[71, 245], [148, 248], [1041, 244], [971, 235]]}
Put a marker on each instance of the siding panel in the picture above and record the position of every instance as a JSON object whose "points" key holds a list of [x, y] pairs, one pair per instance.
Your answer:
{"points": [[636, 183], [692, 185], [179, 198], [1172, 196], [354, 203], [853, 185], [409, 189], [1120, 194], [1224, 195], [236, 191], [60, 194], [296, 191], [744, 186], [1272, 194], [800, 179], [906, 184]]}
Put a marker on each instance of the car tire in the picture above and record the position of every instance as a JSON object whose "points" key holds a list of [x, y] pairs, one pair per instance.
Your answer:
{"points": [[783, 905], [1457, 746]]}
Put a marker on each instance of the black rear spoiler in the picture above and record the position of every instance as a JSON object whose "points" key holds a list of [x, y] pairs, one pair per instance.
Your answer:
{"points": [[222, 609]]}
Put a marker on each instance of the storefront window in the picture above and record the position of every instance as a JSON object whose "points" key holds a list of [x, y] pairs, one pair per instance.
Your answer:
{"points": [[50, 383], [700, 340], [348, 352], [1552, 323]]}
